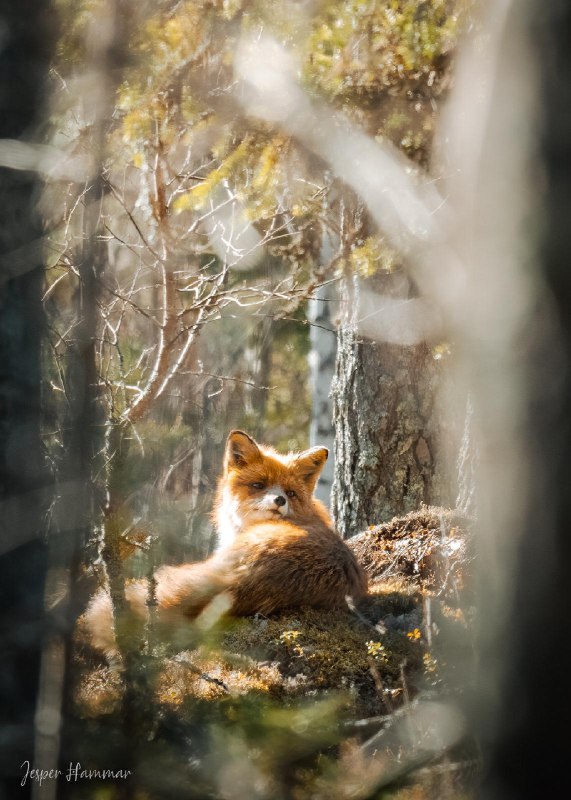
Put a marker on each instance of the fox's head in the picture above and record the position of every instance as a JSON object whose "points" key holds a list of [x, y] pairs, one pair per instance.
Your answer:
{"points": [[259, 484]]}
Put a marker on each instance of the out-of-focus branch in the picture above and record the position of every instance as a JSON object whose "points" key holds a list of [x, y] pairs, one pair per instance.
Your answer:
{"points": [[160, 370], [82, 435], [167, 332], [409, 211]]}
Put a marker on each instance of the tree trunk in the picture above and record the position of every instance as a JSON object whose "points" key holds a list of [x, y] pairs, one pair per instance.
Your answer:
{"points": [[24, 492], [467, 465], [529, 747], [258, 358], [321, 312], [323, 341], [386, 426]]}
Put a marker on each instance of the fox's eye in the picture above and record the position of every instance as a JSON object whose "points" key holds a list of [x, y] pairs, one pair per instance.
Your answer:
{"points": [[291, 493], [257, 485]]}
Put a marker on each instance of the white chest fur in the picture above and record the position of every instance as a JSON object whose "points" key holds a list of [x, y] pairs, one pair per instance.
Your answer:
{"points": [[228, 520]]}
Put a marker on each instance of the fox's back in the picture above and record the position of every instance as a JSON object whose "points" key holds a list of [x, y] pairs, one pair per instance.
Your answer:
{"points": [[278, 565]]}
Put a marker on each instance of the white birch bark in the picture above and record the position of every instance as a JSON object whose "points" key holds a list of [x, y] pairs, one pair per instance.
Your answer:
{"points": [[323, 339]]}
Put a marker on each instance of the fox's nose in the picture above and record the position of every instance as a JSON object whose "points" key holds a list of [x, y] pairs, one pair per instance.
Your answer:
{"points": [[279, 500]]}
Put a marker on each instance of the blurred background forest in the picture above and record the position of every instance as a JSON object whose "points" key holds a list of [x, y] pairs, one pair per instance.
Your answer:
{"points": [[220, 241], [317, 221]]}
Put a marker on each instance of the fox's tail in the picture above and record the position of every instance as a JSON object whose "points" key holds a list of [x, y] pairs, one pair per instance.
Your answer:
{"points": [[181, 592]]}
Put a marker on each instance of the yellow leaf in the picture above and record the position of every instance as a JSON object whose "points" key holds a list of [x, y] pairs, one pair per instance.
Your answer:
{"points": [[195, 199]]}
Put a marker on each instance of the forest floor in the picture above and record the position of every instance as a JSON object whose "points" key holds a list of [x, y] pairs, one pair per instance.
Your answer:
{"points": [[353, 679]]}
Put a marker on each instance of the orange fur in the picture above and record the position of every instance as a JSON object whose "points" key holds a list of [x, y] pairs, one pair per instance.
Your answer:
{"points": [[246, 462], [275, 554]]}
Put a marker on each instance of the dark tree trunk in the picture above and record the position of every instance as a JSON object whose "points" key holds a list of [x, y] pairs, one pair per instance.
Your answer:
{"points": [[27, 37], [530, 748], [386, 426]]}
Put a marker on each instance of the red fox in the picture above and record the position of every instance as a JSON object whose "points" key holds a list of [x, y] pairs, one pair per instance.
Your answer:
{"points": [[277, 548]]}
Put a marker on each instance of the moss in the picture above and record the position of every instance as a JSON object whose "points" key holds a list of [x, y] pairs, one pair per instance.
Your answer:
{"points": [[285, 702], [300, 654], [306, 653], [251, 681], [363, 654], [98, 692], [430, 549]]}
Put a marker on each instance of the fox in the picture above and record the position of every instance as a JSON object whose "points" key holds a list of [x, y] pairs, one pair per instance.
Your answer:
{"points": [[277, 548]]}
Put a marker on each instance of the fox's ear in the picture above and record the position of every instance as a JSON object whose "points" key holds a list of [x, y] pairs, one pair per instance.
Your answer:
{"points": [[241, 450], [310, 463]]}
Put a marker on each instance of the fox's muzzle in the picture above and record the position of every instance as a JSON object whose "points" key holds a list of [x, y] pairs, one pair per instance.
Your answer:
{"points": [[274, 500]]}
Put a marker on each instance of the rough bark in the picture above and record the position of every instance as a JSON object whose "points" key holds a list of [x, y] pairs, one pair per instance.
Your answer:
{"points": [[24, 492], [386, 426]]}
